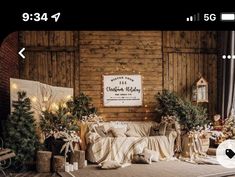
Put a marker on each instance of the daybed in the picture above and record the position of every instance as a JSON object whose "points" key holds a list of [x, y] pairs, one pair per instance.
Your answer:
{"points": [[119, 141]]}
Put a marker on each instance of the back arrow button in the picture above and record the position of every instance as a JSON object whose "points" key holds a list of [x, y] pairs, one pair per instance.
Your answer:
{"points": [[21, 53]]}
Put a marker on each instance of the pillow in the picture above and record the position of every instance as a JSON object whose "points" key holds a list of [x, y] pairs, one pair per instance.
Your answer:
{"points": [[131, 133], [143, 158], [92, 137], [117, 124], [154, 131], [154, 154], [110, 164], [100, 131], [162, 128], [118, 132]]}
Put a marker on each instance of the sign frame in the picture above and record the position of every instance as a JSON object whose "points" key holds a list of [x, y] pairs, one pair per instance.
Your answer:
{"points": [[140, 99]]}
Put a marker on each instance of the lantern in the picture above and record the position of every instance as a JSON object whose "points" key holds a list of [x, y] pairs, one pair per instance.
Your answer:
{"points": [[200, 91]]}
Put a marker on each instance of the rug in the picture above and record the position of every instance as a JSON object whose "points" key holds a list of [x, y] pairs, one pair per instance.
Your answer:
{"points": [[158, 169]]}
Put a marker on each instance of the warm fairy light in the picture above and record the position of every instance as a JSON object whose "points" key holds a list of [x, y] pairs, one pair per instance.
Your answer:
{"points": [[14, 86], [54, 106], [68, 97], [146, 105], [64, 105], [45, 98], [139, 72], [145, 118], [34, 99]]}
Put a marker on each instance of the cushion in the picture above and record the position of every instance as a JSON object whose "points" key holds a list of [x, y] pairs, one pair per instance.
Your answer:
{"points": [[162, 128], [100, 131], [143, 158], [92, 137], [154, 154], [118, 132], [154, 131], [118, 124], [110, 164], [132, 133]]}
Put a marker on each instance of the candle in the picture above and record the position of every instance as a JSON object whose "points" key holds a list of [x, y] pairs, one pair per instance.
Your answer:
{"points": [[67, 167], [70, 167], [75, 165], [85, 163]]}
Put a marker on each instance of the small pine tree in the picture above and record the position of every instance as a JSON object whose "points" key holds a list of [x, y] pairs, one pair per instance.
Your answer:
{"points": [[20, 135]]}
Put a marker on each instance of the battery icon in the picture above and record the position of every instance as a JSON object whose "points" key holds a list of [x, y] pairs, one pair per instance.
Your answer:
{"points": [[227, 17]]}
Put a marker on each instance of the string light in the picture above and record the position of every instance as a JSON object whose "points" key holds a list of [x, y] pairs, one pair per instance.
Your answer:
{"points": [[14, 86], [34, 99], [45, 99], [54, 106], [68, 97], [64, 105]]}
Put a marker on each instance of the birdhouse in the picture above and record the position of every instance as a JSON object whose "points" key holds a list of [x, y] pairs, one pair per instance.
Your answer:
{"points": [[200, 91]]}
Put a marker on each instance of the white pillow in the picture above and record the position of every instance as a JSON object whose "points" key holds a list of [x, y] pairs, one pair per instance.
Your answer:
{"points": [[117, 124], [110, 164], [118, 132], [154, 154]]}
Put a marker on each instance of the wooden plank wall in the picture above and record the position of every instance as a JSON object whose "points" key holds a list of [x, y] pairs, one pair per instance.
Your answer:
{"points": [[122, 52], [187, 55], [50, 57], [170, 60]]}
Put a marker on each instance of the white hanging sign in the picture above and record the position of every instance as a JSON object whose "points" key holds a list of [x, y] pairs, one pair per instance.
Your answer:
{"points": [[122, 90]]}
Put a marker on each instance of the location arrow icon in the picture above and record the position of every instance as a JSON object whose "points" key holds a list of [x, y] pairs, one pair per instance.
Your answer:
{"points": [[21, 53]]}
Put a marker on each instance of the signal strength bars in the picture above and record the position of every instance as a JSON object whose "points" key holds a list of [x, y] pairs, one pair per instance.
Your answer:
{"points": [[195, 17]]}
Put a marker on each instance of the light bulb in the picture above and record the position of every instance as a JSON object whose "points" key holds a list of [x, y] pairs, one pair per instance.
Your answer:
{"points": [[14, 86], [34, 99], [68, 97], [45, 98], [55, 106]]}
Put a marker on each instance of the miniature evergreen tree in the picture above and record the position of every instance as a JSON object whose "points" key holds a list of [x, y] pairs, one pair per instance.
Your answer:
{"points": [[81, 106], [228, 127], [20, 135], [189, 115]]}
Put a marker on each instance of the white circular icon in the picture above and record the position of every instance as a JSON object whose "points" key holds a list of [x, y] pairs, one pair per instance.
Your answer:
{"points": [[225, 153]]}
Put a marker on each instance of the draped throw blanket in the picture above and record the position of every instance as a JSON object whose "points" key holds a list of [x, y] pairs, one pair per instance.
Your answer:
{"points": [[121, 149]]}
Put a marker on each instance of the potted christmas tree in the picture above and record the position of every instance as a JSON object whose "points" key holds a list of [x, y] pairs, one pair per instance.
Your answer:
{"points": [[20, 133]]}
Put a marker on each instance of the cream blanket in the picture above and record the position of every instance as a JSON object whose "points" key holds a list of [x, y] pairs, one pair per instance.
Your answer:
{"points": [[121, 149]]}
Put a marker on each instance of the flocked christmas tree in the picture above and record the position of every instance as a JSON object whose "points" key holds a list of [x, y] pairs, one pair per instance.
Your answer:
{"points": [[20, 133]]}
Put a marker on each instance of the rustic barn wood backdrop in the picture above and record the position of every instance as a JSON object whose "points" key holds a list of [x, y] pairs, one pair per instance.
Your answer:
{"points": [[167, 60]]}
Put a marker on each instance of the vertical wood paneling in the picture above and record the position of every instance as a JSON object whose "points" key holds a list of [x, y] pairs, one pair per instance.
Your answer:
{"points": [[191, 54], [47, 59], [169, 60]]}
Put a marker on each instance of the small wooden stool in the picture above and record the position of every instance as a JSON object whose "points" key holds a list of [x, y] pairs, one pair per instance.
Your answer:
{"points": [[43, 161], [78, 156], [58, 163]]}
